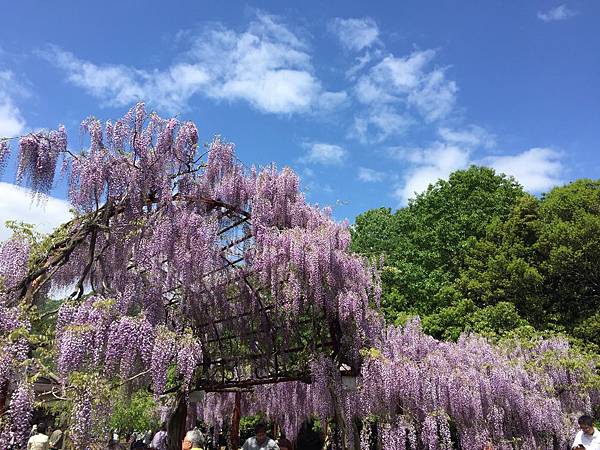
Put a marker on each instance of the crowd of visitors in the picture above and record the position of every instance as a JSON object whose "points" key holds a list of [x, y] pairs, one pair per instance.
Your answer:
{"points": [[587, 438], [193, 440]]}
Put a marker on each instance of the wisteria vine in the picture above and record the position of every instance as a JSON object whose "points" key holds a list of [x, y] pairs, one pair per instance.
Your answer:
{"points": [[186, 270]]}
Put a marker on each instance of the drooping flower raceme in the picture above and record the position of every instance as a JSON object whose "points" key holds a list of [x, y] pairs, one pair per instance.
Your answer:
{"points": [[227, 274]]}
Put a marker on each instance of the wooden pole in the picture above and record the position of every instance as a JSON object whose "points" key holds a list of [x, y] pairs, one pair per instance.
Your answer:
{"points": [[3, 396], [176, 425], [235, 422]]}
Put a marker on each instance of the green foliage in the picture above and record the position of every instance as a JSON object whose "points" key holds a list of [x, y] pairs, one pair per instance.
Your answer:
{"points": [[503, 264], [375, 232], [569, 248], [60, 410], [248, 423], [476, 253], [24, 229], [493, 321], [135, 413], [425, 245]]}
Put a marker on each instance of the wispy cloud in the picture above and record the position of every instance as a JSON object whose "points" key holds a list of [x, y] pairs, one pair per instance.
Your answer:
{"points": [[266, 65], [537, 169], [472, 135], [427, 166], [370, 175], [399, 90], [114, 84], [12, 122], [322, 153], [379, 123], [355, 34], [561, 12], [360, 62], [17, 204]]}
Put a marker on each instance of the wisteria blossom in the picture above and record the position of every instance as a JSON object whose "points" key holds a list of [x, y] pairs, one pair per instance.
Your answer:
{"points": [[186, 271]]}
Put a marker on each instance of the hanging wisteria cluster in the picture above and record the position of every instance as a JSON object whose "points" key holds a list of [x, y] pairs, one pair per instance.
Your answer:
{"points": [[509, 397], [415, 390], [17, 427], [14, 325], [288, 404], [179, 256], [186, 270]]}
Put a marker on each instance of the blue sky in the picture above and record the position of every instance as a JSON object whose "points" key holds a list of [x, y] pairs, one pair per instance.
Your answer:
{"points": [[368, 101]]}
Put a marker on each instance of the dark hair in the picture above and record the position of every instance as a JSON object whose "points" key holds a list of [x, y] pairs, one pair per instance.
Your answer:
{"points": [[586, 420], [283, 442], [41, 428], [260, 427]]}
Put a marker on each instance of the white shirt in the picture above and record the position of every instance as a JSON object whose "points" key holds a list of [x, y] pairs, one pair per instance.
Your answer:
{"points": [[38, 442], [251, 444], [589, 442]]}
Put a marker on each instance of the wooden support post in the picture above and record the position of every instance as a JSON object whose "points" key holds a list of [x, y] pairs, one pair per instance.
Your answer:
{"points": [[176, 425], [3, 396], [235, 422]]}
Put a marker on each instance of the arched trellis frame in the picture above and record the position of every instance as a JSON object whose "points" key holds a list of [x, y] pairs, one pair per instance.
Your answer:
{"points": [[228, 268], [186, 267]]}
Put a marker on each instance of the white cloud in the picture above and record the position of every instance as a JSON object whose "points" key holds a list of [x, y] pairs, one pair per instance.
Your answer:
{"points": [[537, 169], [322, 153], [379, 124], [355, 34], [329, 101], [17, 203], [561, 12], [360, 63], [472, 136], [267, 66], [396, 91], [308, 172], [11, 121], [436, 97], [402, 75], [429, 165], [370, 175], [118, 85]]}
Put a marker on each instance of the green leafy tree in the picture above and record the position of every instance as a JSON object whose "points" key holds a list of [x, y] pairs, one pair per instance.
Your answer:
{"points": [[544, 260], [503, 265], [426, 243], [136, 413], [569, 248], [476, 253]]}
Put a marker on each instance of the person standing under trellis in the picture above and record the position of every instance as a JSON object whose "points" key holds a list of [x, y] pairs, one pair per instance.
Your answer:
{"points": [[38, 441], [260, 441], [159, 442], [56, 439], [193, 440]]}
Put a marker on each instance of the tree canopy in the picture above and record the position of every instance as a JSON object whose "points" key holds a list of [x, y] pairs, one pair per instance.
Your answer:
{"points": [[478, 253]]}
